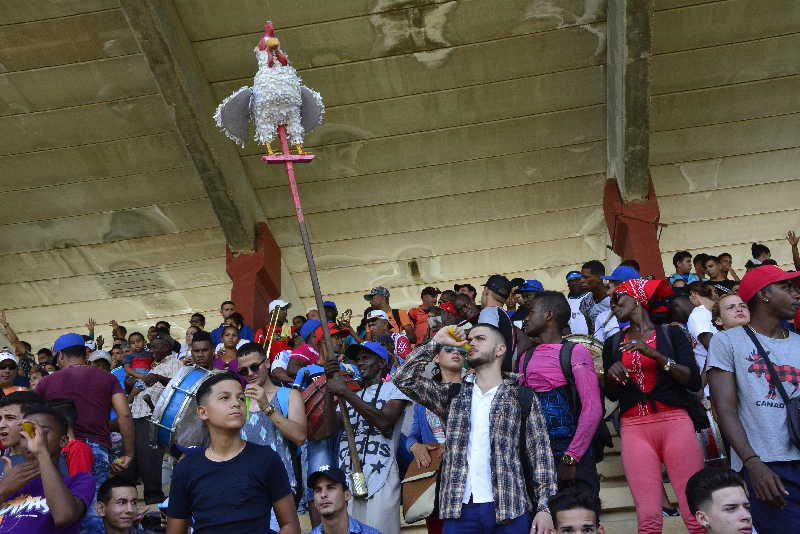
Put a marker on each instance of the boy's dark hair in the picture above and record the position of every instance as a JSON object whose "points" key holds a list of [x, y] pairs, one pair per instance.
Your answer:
{"points": [[700, 258], [65, 407], [680, 256], [709, 257], [224, 302], [556, 302], [705, 482], [46, 351], [237, 318], [571, 499], [135, 334], [22, 398], [301, 317], [757, 249], [250, 348], [201, 316], [163, 324], [205, 388], [43, 409], [202, 335], [107, 487], [725, 255], [595, 267]]}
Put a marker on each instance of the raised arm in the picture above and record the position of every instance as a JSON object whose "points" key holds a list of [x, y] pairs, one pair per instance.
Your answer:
{"points": [[411, 380], [11, 335], [793, 240]]}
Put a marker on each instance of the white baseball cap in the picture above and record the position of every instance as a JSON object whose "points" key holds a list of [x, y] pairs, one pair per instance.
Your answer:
{"points": [[100, 355], [6, 354], [377, 314], [278, 302]]}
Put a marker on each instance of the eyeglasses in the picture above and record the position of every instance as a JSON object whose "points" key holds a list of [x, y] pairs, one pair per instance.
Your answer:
{"points": [[244, 371], [8, 366]]}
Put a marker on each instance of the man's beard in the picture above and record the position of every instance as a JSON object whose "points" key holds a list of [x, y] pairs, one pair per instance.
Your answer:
{"points": [[480, 358]]}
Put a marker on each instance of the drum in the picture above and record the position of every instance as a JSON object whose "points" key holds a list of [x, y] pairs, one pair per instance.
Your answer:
{"points": [[174, 419], [592, 345]]}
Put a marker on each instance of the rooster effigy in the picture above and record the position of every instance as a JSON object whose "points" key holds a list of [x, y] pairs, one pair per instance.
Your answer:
{"points": [[277, 97]]}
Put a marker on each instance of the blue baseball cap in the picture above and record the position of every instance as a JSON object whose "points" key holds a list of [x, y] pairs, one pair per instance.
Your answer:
{"points": [[329, 304], [572, 275], [309, 327], [530, 285], [623, 273], [68, 340], [375, 348]]}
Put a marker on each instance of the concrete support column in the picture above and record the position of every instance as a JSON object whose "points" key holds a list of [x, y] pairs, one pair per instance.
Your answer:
{"points": [[256, 277], [630, 203], [634, 228]]}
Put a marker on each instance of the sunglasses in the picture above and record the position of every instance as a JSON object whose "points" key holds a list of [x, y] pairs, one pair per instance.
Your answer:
{"points": [[8, 366], [244, 371]]}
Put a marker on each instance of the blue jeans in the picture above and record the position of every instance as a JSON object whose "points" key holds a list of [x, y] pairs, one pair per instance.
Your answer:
{"points": [[770, 520], [479, 519], [93, 523]]}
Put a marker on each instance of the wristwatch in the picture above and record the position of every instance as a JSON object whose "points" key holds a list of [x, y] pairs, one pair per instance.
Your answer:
{"points": [[566, 459], [669, 364], [269, 411]]}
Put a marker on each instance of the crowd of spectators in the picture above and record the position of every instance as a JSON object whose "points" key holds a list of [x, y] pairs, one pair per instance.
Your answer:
{"points": [[499, 400]]}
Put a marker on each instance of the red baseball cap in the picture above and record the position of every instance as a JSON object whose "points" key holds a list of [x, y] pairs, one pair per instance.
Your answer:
{"points": [[760, 277]]}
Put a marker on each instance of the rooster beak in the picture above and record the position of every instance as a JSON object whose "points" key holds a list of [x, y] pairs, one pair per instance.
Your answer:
{"points": [[273, 43]]}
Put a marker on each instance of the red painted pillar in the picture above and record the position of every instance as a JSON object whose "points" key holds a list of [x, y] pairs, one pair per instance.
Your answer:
{"points": [[634, 228], [256, 277]]}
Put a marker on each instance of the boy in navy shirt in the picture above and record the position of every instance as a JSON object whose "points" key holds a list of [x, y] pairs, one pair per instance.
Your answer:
{"points": [[230, 486]]}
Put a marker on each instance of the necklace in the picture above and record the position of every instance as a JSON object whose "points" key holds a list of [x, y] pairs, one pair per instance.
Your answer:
{"points": [[217, 458]]}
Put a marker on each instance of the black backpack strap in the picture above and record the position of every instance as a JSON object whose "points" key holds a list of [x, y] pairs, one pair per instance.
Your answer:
{"points": [[565, 359], [522, 364], [776, 381], [525, 400], [616, 353], [664, 330]]}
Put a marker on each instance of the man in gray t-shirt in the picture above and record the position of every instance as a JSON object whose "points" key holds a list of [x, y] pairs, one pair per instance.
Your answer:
{"points": [[761, 408], [749, 405]]}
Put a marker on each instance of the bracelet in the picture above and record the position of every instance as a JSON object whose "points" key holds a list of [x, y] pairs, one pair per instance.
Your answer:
{"points": [[749, 458]]}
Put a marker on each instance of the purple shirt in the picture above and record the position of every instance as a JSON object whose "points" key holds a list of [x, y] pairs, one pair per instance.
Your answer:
{"points": [[91, 390], [26, 511], [544, 374]]}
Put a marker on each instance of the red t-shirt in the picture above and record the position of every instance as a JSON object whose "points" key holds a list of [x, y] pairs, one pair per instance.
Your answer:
{"points": [[91, 390], [644, 373], [79, 457], [420, 319]]}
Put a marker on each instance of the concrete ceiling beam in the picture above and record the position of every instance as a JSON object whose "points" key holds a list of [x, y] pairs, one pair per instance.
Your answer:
{"points": [[162, 38]]}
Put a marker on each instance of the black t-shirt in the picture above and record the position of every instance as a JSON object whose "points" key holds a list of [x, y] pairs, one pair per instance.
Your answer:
{"points": [[234, 496]]}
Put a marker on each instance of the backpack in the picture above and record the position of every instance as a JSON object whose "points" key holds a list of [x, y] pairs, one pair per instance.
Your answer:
{"points": [[602, 436]]}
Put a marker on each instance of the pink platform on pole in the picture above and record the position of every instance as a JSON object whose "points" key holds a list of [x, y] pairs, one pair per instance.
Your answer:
{"points": [[281, 158]]}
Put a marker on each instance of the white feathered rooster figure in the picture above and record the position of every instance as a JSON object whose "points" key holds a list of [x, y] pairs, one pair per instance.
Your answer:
{"points": [[277, 97]]}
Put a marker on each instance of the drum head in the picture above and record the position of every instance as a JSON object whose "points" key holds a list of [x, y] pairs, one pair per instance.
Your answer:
{"points": [[176, 412]]}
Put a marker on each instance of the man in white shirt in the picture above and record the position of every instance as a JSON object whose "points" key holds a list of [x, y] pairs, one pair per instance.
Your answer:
{"points": [[580, 302]]}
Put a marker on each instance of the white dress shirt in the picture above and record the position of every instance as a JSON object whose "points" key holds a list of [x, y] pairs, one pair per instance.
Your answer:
{"points": [[479, 472]]}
